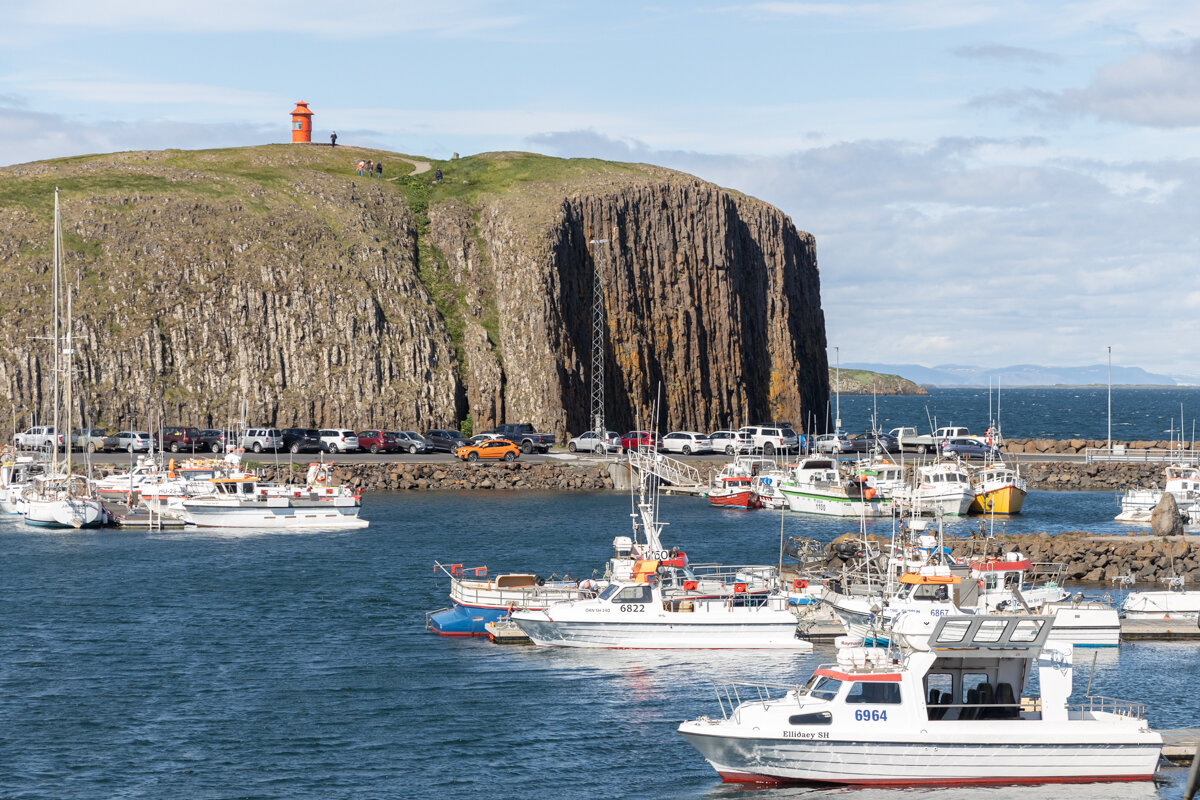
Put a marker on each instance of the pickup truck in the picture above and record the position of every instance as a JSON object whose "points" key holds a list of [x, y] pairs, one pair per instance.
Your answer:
{"points": [[37, 438], [910, 440], [526, 437]]}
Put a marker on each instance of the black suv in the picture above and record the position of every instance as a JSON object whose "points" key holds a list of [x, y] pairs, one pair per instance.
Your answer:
{"points": [[212, 439], [299, 440], [180, 437], [444, 440]]}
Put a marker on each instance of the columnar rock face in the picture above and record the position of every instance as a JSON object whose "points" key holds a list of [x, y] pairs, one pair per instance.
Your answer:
{"points": [[275, 281]]}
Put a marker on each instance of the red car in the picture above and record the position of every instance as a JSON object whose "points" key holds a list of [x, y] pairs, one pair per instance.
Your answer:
{"points": [[635, 439], [379, 441]]}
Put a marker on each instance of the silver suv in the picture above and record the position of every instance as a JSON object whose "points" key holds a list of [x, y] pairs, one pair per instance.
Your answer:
{"points": [[769, 438], [259, 439]]}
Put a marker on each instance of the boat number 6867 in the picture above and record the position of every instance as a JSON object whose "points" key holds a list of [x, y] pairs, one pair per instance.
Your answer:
{"points": [[633, 607], [870, 715]]}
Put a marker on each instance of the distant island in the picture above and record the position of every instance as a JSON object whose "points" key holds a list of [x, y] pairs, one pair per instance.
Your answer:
{"points": [[1028, 376], [861, 381]]}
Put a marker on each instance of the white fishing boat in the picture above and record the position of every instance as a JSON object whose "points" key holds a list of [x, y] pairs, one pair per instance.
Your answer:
{"points": [[952, 705], [1175, 602], [883, 475], [931, 592], [637, 614], [815, 486], [236, 503], [942, 488], [126, 484], [1180, 480], [16, 472]]}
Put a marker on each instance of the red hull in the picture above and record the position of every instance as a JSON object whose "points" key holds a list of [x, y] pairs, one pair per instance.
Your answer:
{"points": [[746, 500]]}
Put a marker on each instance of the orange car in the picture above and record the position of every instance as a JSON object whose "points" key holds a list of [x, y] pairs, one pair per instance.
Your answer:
{"points": [[493, 448]]}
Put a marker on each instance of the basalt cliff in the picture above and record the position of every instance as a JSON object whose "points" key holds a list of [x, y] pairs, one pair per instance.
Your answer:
{"points": [[273, 284]]}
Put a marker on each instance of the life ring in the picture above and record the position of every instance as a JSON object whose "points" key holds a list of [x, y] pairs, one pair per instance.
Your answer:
{"points": [[739, 587], [799, 583]]}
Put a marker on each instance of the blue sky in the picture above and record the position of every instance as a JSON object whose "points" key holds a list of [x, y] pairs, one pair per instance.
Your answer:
{"points": [[989, 183]]}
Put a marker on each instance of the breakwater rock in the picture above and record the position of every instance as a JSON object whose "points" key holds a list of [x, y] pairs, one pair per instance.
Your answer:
{"points": [[1107, 476], [516, 475], [1074, 446], [1089, 558]]}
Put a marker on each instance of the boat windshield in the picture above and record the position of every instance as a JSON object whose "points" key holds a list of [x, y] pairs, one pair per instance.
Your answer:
{"points": [[609, 591], [822, 687]]}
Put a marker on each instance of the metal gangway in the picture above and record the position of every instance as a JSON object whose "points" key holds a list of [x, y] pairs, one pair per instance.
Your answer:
{"points": [[668, 470]]}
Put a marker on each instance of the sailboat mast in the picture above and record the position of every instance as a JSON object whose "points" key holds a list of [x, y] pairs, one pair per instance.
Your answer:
{"points": [[68, 352], [54, 293]]}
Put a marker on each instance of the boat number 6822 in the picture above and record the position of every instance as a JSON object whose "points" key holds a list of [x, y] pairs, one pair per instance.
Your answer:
{"points": [[870, 715], [633, 607]]}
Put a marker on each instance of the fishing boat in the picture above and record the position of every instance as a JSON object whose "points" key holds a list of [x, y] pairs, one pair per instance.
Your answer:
{"points": [[638, 614], [16, 472], [1175, 602], [930, 592], [883, 475], [949, 705], [732, 485], [942, 488], [236, 503], [126, 484], [999, 489], [1180, 480], [815, 486]]}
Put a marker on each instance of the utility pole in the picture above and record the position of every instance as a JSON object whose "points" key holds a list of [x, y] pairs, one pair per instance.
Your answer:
{"points": [[598, 331], [1110, 399]]}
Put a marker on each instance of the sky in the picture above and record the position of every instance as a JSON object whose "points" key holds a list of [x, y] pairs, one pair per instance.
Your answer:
{"points": [[989, 183]]}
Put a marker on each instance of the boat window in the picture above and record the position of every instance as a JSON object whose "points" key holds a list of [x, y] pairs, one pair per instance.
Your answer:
{"points": [[609, 591], [1012, 579], [991, 630], [634, 594], [819, 718], [931, 592], [1026, 630], [823, 688], [991, 581], [953, 630], [874, 692]]}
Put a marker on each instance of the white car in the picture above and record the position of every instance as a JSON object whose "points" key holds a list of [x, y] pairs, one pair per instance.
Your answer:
{"points": [[338, 440], [729, 442], [589, 442], [769, 438], [132, 441], [687, 442]]}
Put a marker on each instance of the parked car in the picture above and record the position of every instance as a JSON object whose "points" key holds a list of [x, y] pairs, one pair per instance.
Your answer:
{"points": [[881, 442], [213, 439], [484, 437], [589, 442], [968, 448], [491, 448], [132, 441], [259, 439], [686, 442], [378, 441], [179, 437], [38, 437], [300, 440], [729, 442], [413, 442], [636, 439], [826, 443], [526, 436], [445, 440], [770, 437], [338, 440], [88, 439]]}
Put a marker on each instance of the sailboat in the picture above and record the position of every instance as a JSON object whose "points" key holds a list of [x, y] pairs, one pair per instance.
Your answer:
{"points": [[60, 499]]}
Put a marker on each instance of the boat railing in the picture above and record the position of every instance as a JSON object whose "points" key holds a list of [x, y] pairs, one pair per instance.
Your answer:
{"points": [[1110, 705], [1150, 455], [732, 694]]}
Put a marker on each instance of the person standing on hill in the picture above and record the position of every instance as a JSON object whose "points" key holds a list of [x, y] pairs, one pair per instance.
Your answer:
{"points": [[333, 139], [437, 176], [370, 169], [361, 166], [379, 170]]}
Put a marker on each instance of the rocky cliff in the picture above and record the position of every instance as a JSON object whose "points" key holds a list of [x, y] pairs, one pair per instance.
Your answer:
{"points": [[861, 381], [276, 280]]}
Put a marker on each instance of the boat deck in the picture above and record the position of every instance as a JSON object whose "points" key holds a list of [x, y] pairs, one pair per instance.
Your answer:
{"points": [[1180, 744], [1146, 629], [139, 517]]}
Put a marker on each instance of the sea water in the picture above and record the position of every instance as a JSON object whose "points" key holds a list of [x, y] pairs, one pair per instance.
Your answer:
{"points": [[1074, 413], [208, 664]]}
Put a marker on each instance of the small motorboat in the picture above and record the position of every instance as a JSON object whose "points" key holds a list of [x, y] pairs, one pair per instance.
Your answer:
{"points": [[950, 704], [1175, 602], [733, 486]]}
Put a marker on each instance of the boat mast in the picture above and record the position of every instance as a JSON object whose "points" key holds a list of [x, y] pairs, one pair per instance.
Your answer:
{"points": [[54, 294], [67, 352]]}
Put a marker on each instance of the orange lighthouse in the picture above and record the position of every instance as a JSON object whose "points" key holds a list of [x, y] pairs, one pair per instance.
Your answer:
{"points": [[301, 123]]}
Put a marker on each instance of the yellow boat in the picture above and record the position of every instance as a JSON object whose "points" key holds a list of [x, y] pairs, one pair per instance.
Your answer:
{"points": [[998, 490]]}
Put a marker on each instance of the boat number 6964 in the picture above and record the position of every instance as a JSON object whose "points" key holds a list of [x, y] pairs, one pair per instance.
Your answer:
{"points": [[870, 715]]}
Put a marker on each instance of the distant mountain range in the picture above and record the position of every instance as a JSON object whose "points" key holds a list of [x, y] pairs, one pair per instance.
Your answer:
{"points": [[1026, 375]]}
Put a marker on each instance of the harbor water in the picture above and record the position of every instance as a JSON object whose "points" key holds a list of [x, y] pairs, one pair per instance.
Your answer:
{"points": [[204, 664]]}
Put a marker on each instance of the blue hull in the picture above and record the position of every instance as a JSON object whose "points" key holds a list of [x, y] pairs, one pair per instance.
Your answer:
{"points": [[464, 620]]}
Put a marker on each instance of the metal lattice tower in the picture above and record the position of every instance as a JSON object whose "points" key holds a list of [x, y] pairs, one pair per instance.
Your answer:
{"points": [[598, 330]]}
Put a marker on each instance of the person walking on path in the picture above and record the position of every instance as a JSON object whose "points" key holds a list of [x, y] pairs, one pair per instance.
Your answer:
{"points": [[333, 139], [361, 166], [379, 170]]}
